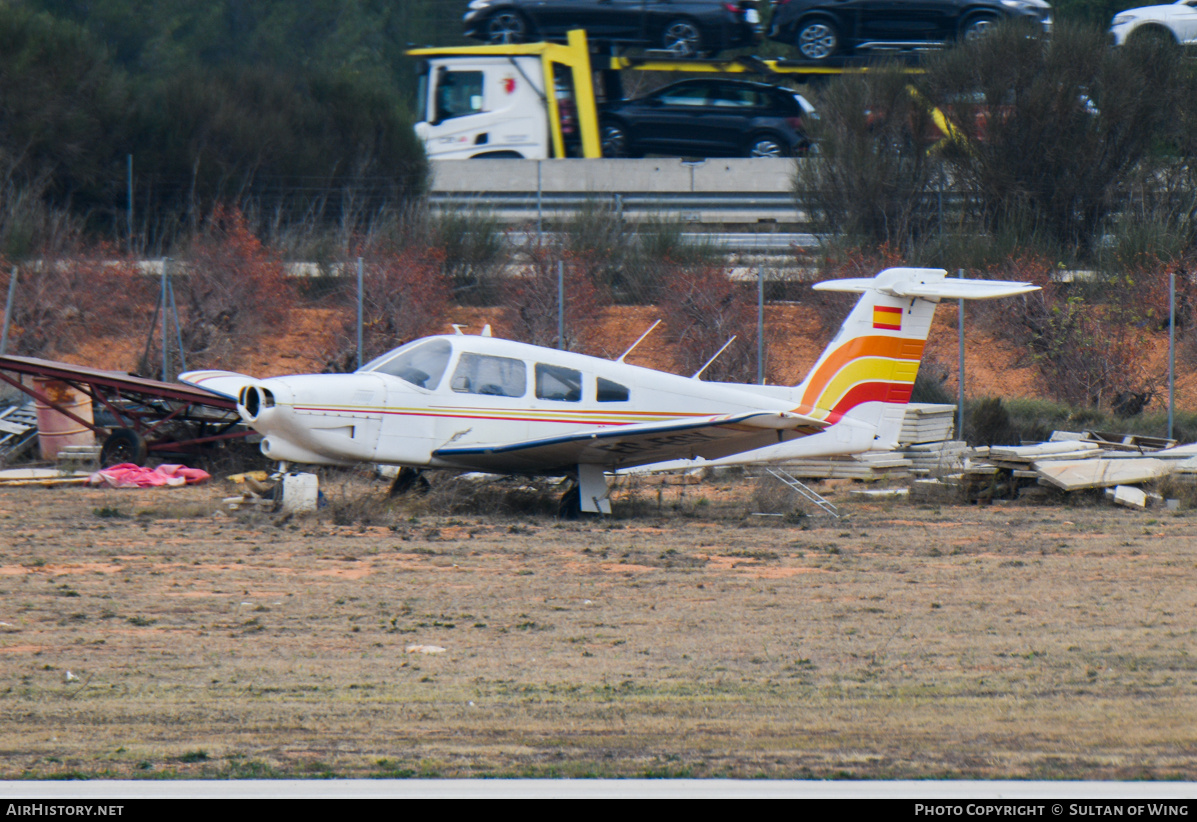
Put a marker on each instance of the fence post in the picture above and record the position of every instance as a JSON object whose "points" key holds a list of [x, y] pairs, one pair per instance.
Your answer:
{"points": [[164, 319], [360, 299], [561, 305], [174, 310], [960, 336], [1171, 350], [129, 204], [12, 290], [760, 325]]}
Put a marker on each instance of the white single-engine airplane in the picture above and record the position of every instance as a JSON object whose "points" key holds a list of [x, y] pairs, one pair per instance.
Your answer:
{"points": [[480, 403]]}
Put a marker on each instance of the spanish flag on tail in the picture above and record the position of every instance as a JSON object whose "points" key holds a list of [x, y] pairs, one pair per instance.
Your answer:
{"points": [[887, 317]]}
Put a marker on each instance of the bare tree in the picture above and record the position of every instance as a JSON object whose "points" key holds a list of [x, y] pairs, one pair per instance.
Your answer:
{"points": [[872, 170], [1052, 126], [703, 308]]}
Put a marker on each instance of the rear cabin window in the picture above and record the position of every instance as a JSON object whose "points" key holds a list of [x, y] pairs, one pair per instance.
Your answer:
{"points": [[739, 97], [611, 391], [556, 383], [422, 365], [685, 96], [494, 376]]}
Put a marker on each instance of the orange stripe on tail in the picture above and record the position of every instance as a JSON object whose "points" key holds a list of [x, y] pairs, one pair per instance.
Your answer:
{"points": [[897, 348]]}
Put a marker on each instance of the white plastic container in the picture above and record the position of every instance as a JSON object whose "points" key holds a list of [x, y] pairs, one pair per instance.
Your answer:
{"points": [[301, 492]]}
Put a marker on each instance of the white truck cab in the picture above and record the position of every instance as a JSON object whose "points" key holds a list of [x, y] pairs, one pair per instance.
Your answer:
{"points": [[483, 107], [532, 101]]}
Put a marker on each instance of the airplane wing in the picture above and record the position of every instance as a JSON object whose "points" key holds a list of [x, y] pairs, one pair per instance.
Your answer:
{"points": [[221, 383], [630, 445]]}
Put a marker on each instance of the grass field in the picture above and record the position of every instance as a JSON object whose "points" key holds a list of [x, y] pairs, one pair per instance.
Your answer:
{"points": [[683, 637]]}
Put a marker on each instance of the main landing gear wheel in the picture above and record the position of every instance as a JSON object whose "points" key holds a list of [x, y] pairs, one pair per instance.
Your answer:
{"points": [[408, 480], [123, 445], [570, 505]]}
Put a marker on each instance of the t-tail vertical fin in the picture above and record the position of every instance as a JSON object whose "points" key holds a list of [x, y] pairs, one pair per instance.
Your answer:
{"points": [[868, 371]]}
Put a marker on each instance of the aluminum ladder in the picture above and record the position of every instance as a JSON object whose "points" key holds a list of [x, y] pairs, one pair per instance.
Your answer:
{"points": [[804, 491]]}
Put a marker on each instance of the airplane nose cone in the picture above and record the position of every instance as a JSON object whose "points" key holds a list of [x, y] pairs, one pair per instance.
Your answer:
{"points": [[252, 400], [255, 401]]}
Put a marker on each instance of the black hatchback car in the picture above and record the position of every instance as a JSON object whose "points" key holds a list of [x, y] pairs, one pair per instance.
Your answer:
{"points": [[708, 118], [686, 28], [825, 30]]}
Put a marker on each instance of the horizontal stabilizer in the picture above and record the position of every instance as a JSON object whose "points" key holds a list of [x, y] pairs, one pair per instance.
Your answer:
{"points": [[221, 383], [930, 283]]}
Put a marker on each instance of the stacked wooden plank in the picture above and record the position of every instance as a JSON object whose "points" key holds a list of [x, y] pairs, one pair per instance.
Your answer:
{"points": [[1136, 443], [1023, 457], [936, 459], [1074, 462], [79, 455], [925, 447], [18, 429], [42, 476], [1070, 461], [1074, 475], [927, 422], [872, 465], [926, 440], [982, 481], [1185, 470], [947, 489]]}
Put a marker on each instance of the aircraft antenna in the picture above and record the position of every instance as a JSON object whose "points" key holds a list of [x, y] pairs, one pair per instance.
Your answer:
{"points": [[457, 329], [640, 340], [712, 359]]}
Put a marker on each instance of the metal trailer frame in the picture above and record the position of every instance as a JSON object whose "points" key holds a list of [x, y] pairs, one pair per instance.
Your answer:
{"points": [[163, 416]]}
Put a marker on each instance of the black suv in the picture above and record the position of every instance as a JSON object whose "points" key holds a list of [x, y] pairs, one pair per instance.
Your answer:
{"points": [[707, 118], [824, 30], [685, 28]]}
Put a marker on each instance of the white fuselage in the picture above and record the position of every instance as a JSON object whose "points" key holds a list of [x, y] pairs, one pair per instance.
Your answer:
{"points": [[487, 391]]}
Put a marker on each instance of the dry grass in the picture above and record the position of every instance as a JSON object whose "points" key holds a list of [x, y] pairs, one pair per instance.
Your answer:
{"points": [[903, 641]]}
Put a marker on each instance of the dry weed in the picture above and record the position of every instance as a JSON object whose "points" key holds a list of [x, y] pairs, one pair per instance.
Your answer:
{"points": [[910, 641]]}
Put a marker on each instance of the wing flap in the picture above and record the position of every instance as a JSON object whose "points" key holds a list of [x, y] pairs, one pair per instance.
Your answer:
{"points": [[630, 445]]}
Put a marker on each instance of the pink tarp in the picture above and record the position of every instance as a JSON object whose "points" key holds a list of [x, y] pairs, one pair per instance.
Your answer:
{"points": [[128, 475]]}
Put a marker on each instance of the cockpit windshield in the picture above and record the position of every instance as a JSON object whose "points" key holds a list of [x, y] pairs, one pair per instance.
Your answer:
{"points": [[420, 363]]}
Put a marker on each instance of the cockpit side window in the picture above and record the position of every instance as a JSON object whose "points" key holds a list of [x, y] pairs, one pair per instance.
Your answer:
{"points": [[458, 93], [496, 376], [612, 391], [422, 365], [556, 383]]}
